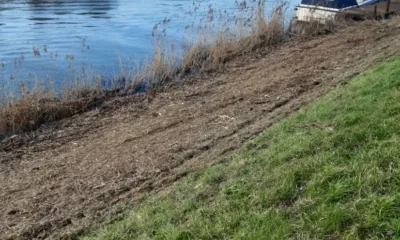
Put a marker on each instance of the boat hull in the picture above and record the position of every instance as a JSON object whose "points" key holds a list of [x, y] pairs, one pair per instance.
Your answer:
{"points": [[310, 13]]}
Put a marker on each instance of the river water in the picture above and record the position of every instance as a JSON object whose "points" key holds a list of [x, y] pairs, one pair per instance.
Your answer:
{"points": [[54, 39]]}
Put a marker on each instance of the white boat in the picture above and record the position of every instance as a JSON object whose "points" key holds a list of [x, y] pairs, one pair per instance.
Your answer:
{"points": [[326, 10]]}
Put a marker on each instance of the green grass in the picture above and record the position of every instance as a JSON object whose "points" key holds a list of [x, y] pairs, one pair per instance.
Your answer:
{"points": [[331, 171]]}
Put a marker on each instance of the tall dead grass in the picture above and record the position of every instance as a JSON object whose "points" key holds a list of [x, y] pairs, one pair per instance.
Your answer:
{"points": [[210, 50], [254, 30]]}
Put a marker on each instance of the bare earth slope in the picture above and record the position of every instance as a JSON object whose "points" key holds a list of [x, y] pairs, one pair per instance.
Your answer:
{"points": [[96, 165]]}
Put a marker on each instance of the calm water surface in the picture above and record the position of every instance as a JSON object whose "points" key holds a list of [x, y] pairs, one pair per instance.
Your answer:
{"points": [[54, 39]]}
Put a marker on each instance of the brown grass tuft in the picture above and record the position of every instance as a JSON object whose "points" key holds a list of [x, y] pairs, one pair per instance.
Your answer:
{"points": [[29, 112]]}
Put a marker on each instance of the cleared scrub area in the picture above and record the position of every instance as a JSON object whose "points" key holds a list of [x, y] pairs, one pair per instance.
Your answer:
{"points": [[331, 171]]}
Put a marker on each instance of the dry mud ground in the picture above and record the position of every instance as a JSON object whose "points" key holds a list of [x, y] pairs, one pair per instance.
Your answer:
{"points": [[67, 179]]}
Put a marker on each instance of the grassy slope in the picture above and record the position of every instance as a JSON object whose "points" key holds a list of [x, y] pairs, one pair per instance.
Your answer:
{"points": [[330, 171]]}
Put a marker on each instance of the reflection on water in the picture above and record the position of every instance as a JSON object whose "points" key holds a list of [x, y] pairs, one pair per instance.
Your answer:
{"points": [[92, 8], [56, 8], [42, 39]]}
